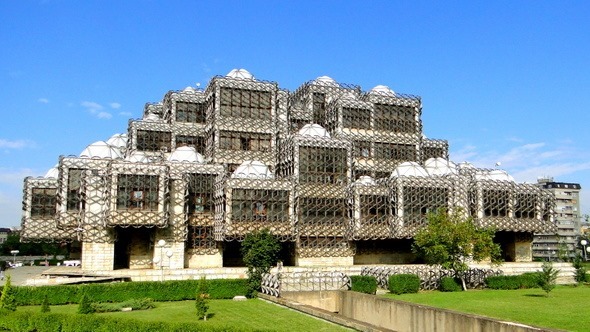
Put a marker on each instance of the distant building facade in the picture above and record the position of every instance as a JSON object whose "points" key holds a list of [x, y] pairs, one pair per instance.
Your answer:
{"points": [[340, 175], [564, 241], [4, 232]]}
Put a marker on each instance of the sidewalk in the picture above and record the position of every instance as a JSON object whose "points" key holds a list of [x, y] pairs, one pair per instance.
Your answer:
{"points": [[21, 274]]}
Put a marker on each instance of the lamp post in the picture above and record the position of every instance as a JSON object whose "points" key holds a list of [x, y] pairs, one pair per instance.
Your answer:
{"points": [[169, 254], [161, 244], [14, 253], [584, 243]]}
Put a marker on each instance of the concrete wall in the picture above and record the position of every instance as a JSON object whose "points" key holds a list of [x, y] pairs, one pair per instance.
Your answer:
{"points": [[194, 261], [378, 313], [384, 258], [97, 256], [324, 261]]}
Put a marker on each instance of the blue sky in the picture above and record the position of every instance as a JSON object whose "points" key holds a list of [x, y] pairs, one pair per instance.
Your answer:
{"points": [[502, 81]]}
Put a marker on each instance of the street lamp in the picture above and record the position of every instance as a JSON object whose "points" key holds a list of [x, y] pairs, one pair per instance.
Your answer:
{"points": [[169, 254], [161, 244], [584, 243], [14, 253]]}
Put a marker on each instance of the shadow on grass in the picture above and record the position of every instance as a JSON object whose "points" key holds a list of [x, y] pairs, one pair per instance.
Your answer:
{"points": [[535, 295]]}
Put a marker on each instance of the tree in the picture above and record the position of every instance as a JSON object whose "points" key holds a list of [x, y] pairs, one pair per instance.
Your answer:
{"points": [[451, 240], [201, 299], [7, 299], [260, 251], [548, 277], [580, 274], [85, 306], [45, 304]]}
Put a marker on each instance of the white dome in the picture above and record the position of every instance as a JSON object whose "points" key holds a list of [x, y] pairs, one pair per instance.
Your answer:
{"points": [[440, 166], [240, 73], [494, 175], [152, 117], [118, 141], [189, 89], [138, 157], [365, 179], [252, 169], [313, 129], [102, 150], [382, 90], [186, 154], [325, 80], [409, 168], [52, 172]]}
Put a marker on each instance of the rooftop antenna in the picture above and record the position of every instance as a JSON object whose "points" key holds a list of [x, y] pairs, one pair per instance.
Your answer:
{"points": [[498, 164]]}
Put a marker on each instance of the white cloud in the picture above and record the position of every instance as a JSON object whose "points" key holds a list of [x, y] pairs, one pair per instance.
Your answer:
{"points": [[125, 114], [91, 106], [14, 178], [43, 100], [17, 144], [104, 115], [115, 105]]}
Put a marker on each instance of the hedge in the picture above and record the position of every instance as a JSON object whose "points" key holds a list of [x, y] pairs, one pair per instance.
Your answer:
{"points": [[404, 283], [449, 284], [174, 290], [41, 322], [363, 284], [525, 280]]}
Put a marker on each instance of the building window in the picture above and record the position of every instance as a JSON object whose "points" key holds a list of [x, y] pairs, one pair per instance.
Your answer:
{"points": [[74, 199], [242, 103], [419, 201], [196, 142], [240, 141], [323, 165], [321, 210], [495, 203], [362, 149], [190, 112], [399, 119], [319, 108], [357, 118], [43, 202], [374, 208], [148, 140], [200, 194], [399, 152], [525, 205], [260, 204], [201, 237], [137, 192]]}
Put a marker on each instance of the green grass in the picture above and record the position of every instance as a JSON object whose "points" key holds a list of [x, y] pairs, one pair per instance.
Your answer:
{"points": [[252, 314], [566, 307]]}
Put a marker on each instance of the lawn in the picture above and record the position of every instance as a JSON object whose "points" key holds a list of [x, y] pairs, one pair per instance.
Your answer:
{"points": [[254, 314], [565, 308]]}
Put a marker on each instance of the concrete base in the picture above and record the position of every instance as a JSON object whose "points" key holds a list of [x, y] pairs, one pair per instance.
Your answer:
{"points": [[195, 261], [97, 256], [324, 261]]}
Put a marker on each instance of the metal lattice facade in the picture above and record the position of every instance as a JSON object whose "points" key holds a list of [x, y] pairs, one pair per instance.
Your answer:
{"points": [[326, 168]]}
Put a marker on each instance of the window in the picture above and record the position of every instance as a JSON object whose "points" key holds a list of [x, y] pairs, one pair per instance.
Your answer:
{"points": [[374, 208], [319, 108], [356, 118], [314, 210], [197, 142], [525, 205], [323, 165], [242, 103], [495, 203], [260, 204], [362, 149], [190, 112], [153, 140], [419, 201], [43, 202], [200, 194], [74, 199], [240, 141], [201, 237], [399, 119], [137, 192], [400, 152]]}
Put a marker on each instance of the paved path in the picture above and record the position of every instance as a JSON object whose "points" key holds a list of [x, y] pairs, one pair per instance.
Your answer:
{"points": [[20, 274]]}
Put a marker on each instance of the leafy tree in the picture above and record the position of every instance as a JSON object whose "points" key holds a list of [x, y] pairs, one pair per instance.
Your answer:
{"points": [[451, 240], [45, 304], [201, 299], [548, 277], [31, 248], [8, 300], [260, 251]]}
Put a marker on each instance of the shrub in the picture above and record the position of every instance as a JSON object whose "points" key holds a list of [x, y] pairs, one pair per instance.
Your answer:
{"points": [[135, 304], [85, 306], [7, 299], [45, 305], [449, 284], [404, 283], [581, 273], [174, 290], [201, 300], [525, 280], [363, 284], [548, 277]]}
